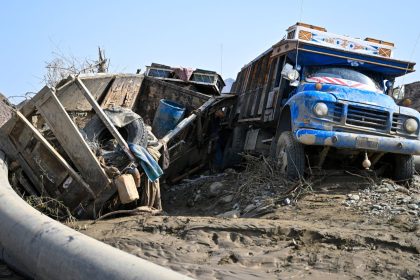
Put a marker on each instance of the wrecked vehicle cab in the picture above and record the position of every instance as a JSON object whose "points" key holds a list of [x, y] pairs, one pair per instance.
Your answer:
{"points": [[317, 99]]}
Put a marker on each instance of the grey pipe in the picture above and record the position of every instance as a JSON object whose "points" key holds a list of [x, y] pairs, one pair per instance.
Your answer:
{"points": [[46, 249]]}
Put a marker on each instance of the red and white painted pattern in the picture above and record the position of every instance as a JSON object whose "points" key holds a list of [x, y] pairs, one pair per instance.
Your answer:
{"points": [[341, 82]]}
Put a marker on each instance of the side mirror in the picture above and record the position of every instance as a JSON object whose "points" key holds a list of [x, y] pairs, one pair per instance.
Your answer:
{"points": [[398, 93], [290, 74]]}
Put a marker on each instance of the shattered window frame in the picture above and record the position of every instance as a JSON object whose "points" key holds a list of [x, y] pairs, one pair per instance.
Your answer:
{"points": [[202, 78], [159, 72]]}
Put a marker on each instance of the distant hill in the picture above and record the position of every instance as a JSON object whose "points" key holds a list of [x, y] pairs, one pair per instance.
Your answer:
{"points": [[229, 82]]}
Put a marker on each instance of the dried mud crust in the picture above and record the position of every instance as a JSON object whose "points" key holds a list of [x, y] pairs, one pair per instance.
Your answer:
{"points": [[317, 238]]}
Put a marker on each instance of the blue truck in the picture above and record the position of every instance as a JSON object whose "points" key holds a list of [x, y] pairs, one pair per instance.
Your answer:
{"points": [[321, 100]]}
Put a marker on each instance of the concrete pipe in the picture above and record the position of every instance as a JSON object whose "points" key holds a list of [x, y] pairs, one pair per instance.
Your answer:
{"points": [[42, 248]]}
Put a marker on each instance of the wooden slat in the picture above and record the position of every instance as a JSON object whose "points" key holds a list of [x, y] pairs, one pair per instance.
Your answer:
{"points": [[123, 92], [72, 142], [73, 99], [106, 121], [56, 155]]}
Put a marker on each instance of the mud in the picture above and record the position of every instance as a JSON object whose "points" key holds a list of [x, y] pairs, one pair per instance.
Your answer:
{"points": [[314, 237]]}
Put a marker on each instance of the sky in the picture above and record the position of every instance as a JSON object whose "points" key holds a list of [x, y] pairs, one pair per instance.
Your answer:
{"points": [[215, 35]]}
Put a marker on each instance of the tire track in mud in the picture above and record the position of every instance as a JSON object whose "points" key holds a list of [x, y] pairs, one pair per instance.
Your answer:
{"points": [[207, 247]]}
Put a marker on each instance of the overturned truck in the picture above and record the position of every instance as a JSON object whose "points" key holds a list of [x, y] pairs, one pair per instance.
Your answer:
{"points": [[74, 142]]}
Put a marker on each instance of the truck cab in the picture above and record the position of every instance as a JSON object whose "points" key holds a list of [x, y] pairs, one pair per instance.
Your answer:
{"points": [[318, 99]]}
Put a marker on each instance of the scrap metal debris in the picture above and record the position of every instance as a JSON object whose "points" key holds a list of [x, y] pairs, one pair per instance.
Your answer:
{"points": [[90, 143]]}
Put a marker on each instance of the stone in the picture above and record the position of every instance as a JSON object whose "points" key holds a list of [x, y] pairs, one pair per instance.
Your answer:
{"points": [[249, 207], [415, 199], [230, 171], [230, 214], [412, 212], [355, 197], [382, 190], [377, 207], [399, 209], [413, 206], [402, 190], [227, 199], [197, 197], [390, 187], [215, 189]]}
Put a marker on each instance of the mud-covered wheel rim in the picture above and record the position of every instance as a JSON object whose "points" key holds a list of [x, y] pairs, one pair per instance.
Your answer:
{"points": [[290, 156], [282, 158]]}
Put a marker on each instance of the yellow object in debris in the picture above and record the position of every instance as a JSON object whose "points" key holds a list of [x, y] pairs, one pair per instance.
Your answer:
{"points": [[127, 189]]}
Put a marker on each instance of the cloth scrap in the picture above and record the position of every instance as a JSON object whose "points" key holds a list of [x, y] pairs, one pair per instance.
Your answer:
{"points": [[147, 162]]}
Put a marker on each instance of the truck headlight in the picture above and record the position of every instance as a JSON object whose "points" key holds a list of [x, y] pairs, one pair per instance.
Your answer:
{"points": [[411, 125], [320, 109]]}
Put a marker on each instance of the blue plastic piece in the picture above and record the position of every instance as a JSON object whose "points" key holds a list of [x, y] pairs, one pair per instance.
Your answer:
{"points": [[147, 162], [167, 117]]}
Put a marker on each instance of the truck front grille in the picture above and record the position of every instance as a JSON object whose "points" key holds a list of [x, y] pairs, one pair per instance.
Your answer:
{"points": [[367, 117], [335, 111], [397, 126]]}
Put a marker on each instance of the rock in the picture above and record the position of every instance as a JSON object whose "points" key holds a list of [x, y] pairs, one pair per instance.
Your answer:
{"points": [[230, 214], [402, 190], [377, 207], [399, 209], [390, 187], [355, 197], [415, 199], [346, 203], [412, 212], [227, 199], [413, 206], [197, 197], [249, 207], [215, 189], [382, 190], [286, 201], [230, 171]]}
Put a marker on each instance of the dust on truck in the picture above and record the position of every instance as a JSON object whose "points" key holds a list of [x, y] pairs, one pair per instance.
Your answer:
{"points": [[324, 100]]}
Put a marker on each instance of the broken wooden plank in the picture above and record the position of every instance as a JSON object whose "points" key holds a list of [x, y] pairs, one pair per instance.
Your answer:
{"points": [[107, 122], [123, 92], [59, 158], [72, 142], [72, 98]]}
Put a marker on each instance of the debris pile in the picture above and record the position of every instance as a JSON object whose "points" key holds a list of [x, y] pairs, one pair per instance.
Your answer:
{"points": [[256, 190], [386, 198], [89, 143]]}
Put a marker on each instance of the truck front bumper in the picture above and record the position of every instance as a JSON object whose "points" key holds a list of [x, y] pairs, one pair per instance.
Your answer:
{"points": [[357, 141]]}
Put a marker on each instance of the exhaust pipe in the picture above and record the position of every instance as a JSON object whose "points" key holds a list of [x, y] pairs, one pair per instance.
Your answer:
{"points": [[42, 248]]}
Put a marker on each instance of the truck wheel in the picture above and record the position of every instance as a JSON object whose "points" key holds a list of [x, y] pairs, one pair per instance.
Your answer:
{"points": [[135, 131], [404, 167], [290, 156]]}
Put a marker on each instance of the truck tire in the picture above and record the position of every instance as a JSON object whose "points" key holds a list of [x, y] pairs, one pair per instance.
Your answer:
{"points": [[135, 132], [290, 156], [404, 168]]}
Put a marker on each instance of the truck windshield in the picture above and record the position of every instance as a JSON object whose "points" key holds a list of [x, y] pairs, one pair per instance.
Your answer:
{"points": [[342, 76]]}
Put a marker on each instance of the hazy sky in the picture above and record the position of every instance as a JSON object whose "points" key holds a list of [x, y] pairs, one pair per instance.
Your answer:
{"points": [[187, 33]]}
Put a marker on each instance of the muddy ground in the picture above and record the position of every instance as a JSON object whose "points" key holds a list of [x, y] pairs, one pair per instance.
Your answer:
{"points": [[335, 226]]}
